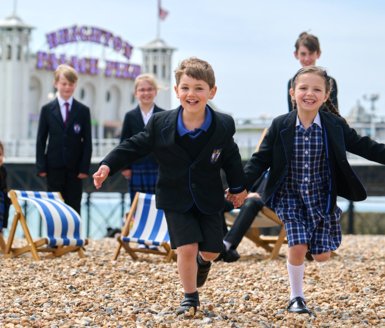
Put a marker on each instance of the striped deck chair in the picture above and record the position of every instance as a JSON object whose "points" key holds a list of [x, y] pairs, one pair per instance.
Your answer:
{"points": [[145, 226], [63, 225]]}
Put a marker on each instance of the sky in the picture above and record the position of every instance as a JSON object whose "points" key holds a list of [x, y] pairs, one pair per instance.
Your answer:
{"points": [[249, 43]]}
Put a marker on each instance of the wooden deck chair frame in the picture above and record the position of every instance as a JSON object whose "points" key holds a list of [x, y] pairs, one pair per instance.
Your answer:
{"points": [[40, 245], [2, 243], [265, 218], [164, 249]]}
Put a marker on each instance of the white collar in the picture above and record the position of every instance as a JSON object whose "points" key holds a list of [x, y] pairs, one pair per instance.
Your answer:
{"points": [[317, 120], [62, 101]]}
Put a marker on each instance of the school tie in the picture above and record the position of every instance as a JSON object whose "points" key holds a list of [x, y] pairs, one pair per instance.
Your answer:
{"points": [[67, 105]]}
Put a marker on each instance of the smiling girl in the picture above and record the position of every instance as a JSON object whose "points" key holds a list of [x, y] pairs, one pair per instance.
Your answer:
{"points": [[305, 151]]}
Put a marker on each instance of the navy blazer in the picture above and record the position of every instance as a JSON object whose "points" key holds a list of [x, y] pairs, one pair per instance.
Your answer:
{"points": [[69, 146], [276, 152], [133, 123], [182, 181]]}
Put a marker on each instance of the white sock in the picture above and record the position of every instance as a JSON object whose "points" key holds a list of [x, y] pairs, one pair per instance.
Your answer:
{"points": [[296, 273], [227, 245]]}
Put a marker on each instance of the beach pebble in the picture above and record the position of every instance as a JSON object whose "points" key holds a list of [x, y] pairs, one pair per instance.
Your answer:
{"points": [[347, 291]]}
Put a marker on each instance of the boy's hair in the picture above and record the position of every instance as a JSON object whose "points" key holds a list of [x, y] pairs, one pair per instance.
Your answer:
{"points": [[69, 73], [197, 69], [1, 147], [146, 77], [328, 84], [309, 41]]}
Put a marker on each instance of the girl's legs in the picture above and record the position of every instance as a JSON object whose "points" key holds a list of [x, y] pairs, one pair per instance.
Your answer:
{"points": [[322, 257], [296, 269]]}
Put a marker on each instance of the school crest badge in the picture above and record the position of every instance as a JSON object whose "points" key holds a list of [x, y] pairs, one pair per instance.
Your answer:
{"points": [[77, 128], [215, 155]]}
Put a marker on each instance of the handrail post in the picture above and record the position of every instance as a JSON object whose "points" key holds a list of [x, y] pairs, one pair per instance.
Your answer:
{"points": [[88, 214], [351, 217]]}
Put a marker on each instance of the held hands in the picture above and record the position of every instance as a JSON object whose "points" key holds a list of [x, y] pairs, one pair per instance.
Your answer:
{"points": [[236, 199], [127, 173], [253, 195], [100, 175], [82, 176]]}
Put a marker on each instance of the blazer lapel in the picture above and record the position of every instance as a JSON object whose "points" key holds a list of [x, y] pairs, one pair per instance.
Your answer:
{"points": [[219, 132], [334, 132], [287, 135], [139, 118], [56, 112], [168, 135]]}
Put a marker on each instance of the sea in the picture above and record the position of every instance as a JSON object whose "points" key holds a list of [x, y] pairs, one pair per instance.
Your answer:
{"points": [[101, 211]]}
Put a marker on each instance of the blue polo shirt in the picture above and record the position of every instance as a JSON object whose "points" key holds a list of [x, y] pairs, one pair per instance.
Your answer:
{"points": [[182, 131], [193, 141]]}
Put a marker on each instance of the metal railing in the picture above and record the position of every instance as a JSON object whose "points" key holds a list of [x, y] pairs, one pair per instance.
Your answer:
{"points": [[24, 150]]}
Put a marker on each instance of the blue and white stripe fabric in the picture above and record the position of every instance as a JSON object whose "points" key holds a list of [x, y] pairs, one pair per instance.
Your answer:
{"points": [[62, 221], [150, 226]]}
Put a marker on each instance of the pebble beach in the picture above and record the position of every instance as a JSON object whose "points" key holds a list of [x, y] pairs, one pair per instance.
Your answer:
{"points": [[347, 291]]}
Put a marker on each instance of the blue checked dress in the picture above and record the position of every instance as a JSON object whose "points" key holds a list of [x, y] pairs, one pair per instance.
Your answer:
{"points": [[144, 176], [301, 200]]}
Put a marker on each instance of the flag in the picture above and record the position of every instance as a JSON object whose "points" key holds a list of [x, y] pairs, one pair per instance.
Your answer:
{"points": [[162, 12]]}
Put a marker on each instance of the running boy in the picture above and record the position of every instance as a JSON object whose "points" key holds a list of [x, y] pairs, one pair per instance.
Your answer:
{"points": [[191, 144]]}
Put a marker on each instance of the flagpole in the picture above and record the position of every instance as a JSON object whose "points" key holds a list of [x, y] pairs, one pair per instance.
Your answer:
{"points": [[158, 22], [15, 7]]}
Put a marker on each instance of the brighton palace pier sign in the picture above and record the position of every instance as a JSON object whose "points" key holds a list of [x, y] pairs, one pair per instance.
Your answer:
{"points": [[88, 65]]}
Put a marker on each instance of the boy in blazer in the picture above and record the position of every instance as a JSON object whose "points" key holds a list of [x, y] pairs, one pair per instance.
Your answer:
{"points": [[191, 144], [66, 124]]}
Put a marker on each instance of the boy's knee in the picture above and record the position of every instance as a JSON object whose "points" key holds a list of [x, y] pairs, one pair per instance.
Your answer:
{"points": [[190, 250], [322, 257], [209, 256]]}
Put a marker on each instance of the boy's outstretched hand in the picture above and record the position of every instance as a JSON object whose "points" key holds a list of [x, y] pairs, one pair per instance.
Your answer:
{"points": [[101, 175], [236, 199]]}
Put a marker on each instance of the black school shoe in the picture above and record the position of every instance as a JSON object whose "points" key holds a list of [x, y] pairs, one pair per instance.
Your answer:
{"points": [[188, 303], [309, 257], [203, 272], [298, 305], [230, 255]]}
